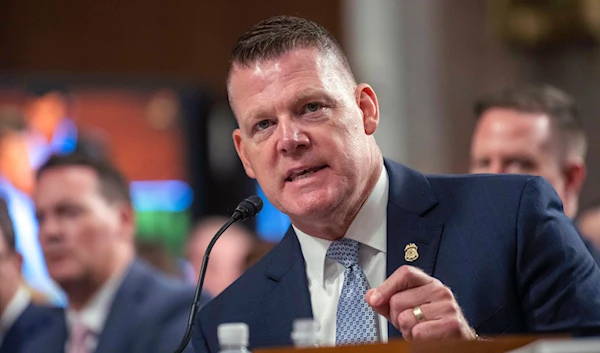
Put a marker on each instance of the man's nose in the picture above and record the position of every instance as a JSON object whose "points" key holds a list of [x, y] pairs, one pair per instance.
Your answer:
{"points": [[48, 231], [292, 137], [496, 168]]}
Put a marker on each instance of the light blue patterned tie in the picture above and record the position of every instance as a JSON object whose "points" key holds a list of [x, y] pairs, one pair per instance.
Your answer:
{"points": [[355, 321]]}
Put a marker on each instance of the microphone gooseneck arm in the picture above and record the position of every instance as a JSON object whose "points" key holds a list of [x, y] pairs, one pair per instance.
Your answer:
{"points": [[196, 304], [246, 209]]}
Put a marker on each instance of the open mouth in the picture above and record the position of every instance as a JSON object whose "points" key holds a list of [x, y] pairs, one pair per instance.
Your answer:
{"points": [[303, 173]]}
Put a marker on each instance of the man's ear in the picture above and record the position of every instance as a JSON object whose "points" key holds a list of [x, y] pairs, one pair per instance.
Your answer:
{"points": [[366, 99], [575, 173], [19, 260], [127, 218], [239, 148]]}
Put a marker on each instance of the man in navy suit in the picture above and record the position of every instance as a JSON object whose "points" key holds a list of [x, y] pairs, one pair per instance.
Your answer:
{"points": [[21, 321], [377, 250], [117, 303], [533, 129]]}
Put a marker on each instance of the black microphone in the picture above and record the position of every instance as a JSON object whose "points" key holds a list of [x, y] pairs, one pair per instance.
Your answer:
{"points": [[248, 208], [244, 210]]}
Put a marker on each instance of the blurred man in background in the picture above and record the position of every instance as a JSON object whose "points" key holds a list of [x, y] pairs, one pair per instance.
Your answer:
{"points": [[21, 320], [228, 257], [51, 114], [117, 303], [14, 159], [589, 223], [533, 130], [17, 181], [154, 251], [48, 112]]}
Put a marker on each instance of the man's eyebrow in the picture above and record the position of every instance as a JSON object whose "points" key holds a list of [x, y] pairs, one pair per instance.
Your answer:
{"points": [[251, 115], [311, 93]]}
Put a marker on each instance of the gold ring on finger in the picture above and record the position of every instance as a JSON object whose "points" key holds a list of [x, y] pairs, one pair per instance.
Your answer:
{"points": [[418, 314]]}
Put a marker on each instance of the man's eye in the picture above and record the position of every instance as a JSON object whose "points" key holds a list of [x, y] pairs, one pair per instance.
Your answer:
{"points": [[521, 166], [70, 212], [312, 107], [263, 124], [482, 164]]}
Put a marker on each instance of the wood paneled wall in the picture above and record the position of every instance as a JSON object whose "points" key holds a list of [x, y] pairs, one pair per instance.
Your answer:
{"points": [[189, 38]]}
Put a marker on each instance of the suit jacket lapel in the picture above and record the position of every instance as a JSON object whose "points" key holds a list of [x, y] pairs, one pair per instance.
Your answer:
{"points": [[124, 312], [289, 298], [413, 237]]}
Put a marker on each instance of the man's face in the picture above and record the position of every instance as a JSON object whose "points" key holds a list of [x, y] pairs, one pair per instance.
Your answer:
{"points": [[510, 142], [80, 231], [10, 272], [14, 162], [304, 132], [228, 256], [45, 112]]}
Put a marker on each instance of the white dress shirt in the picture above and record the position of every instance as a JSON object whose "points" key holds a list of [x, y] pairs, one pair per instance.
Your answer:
{"points": [[326, 276], [94, 313], [13, 310]]}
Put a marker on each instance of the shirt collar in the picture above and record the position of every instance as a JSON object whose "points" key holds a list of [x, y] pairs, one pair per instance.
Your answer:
{"points": [[14, 309], [366, 228], [94, 313]]}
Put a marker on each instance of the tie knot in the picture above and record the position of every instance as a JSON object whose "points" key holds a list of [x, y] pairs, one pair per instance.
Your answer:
{"points": [[344, 251]]}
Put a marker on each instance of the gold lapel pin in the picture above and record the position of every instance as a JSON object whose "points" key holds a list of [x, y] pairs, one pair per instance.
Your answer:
{"points": [[410, 252]]}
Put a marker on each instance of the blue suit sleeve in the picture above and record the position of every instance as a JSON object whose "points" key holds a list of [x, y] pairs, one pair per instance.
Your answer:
{"points": [[558, 280]]}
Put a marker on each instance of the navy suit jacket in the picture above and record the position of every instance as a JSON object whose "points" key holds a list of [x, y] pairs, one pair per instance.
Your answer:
{"points": [[502, 244], [148, 315], [23, 334]]}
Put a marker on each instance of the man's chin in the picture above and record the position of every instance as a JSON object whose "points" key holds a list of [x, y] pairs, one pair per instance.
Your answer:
{"points": [[65, 277], [313, 211]]}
